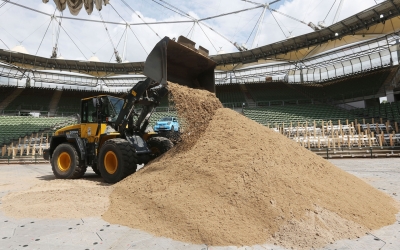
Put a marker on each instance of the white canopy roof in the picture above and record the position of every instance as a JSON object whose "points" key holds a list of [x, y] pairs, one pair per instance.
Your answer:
{"points": [[75, 6]]}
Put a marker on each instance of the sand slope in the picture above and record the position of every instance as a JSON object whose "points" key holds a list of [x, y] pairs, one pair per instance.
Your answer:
{"points": [[240, 183]]}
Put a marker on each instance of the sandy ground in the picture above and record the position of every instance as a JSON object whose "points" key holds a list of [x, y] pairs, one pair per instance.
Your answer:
{"points": [[94, 233]]}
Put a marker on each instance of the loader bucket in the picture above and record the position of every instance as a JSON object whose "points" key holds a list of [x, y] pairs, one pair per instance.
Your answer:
{"points": [[183, 64]]}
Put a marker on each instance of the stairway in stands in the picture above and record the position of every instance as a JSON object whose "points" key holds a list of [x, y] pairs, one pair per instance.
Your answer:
{"points": [[298, 90], [249, 99], [10, 98], [393, 76], [54, 102]]}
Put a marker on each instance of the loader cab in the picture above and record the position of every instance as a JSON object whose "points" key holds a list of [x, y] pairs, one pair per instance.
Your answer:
{"points": [[101, 109]]}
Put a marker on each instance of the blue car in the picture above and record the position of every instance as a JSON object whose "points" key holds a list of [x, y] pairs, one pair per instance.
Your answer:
{"points": [[167, 124]]}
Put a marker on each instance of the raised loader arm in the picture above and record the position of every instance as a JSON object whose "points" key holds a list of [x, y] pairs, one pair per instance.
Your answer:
{"points": [[146, 93]]}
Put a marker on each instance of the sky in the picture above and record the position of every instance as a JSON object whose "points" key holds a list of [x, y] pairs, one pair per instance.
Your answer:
{"points": [[80, 40]]}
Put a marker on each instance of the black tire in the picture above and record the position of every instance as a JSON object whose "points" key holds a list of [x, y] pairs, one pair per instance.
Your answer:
{"points": [[172, 129], [117, 160], [159, 145], [96, 170], [65, 162]]}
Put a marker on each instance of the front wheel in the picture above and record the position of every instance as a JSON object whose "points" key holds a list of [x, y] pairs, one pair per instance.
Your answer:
{"points": [[117, 160], [159, 145], [65, 162]]}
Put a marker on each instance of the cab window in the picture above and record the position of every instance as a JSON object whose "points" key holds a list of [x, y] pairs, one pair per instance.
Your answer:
{"points": [[88, 110]]}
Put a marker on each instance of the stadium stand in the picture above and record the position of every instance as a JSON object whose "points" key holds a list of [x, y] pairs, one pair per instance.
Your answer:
{"points": [[70, 100], [358, 85], [6, 91], [230, 94], [269, 93], [32, 99], [14, 127], [298, 113], [311, 90], [386, 111]]}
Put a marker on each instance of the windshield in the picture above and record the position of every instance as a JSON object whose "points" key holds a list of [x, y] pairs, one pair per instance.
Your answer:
{"points": [[116, 105], [166, 119]]}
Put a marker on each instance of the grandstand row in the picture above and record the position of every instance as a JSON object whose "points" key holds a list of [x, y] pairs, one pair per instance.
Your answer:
{"points": [[280, 105]]}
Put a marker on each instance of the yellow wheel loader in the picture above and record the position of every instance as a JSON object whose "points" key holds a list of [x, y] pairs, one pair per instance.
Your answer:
{"points": [[111, 137]]}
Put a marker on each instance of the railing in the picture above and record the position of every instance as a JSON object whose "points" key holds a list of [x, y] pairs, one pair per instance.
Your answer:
{"points": [[21, 160], [283, 102], [369, 152]]}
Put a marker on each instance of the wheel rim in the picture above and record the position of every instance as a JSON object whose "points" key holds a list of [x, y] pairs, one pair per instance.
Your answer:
{"points": [[110, 162], [64, 162]]}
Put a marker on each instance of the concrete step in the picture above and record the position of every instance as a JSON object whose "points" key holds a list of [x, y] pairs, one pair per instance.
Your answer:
{"points": [[10, 98], [54, 102]]}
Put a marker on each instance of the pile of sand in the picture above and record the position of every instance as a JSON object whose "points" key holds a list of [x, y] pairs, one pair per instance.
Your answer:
{"points": [[237, 182], [193, 124]]}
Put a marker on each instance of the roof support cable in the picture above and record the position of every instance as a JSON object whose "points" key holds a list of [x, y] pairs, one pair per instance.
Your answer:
{"points": [[330, 10], [181, 11], [338, 11], [51, 19], [208, 38], [168, 8], [117, 57], [127, 5], [4, 3], [216, 32], [293, 18], [259, 27], [90, 20], [7, 10], [194, 23], [137, 38], [4, 44], [194, 28], [76, 39], [119, 41], [125, 41], [12, 35], [33, 32], [25, 7], [55, 48], [128, 26], [231, 13], [278, 23], [73, 41], [254, 27]]}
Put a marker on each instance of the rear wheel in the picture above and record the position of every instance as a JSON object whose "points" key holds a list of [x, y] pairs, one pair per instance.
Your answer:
{"points": [[117, 160], [159, 145], [65, 162]]}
